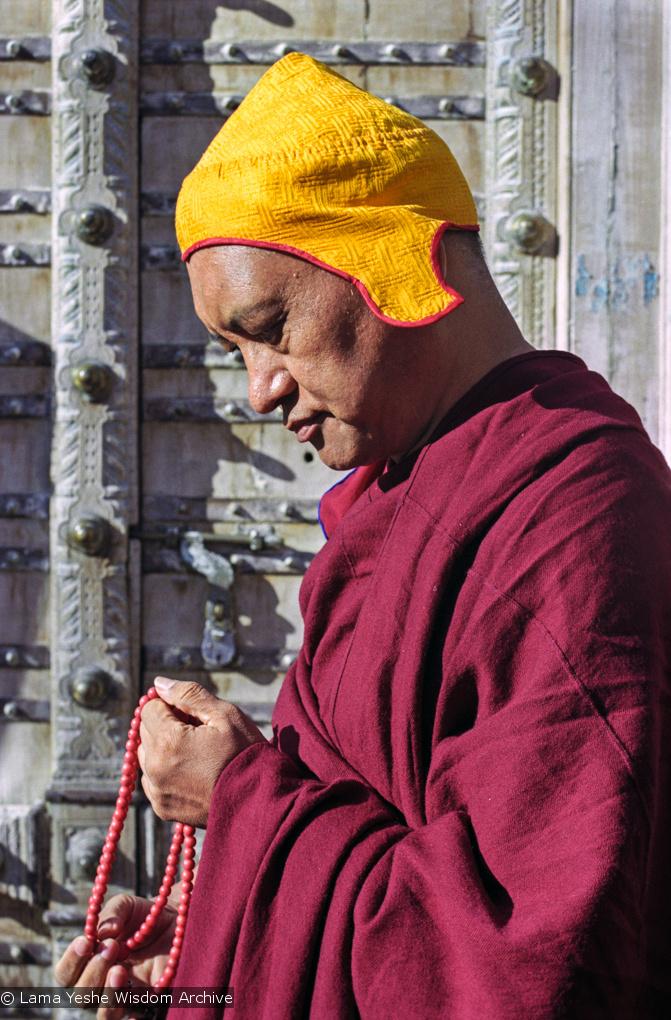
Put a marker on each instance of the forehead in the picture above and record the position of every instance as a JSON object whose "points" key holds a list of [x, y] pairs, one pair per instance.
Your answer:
{"points": [[231, 283], [241, 272]]}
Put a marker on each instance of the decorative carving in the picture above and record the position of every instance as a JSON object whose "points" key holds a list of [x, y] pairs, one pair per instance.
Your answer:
{"points": [[23, 840], [94, 329], [520, 162], [83, 853]]}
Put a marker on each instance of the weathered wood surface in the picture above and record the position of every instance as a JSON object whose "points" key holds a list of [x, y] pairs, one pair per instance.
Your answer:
{"points": [[616, 192], [664, 331]]}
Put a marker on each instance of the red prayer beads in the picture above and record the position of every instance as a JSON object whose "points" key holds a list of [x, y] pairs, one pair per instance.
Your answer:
{"points": [[183, 840]]}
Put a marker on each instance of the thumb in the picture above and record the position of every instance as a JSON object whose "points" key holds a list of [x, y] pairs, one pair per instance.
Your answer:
{"points": [[189, 699], [115, 915]]}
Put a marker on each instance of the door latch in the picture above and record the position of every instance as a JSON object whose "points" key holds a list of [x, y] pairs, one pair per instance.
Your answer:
{"points": [[218, 644]]}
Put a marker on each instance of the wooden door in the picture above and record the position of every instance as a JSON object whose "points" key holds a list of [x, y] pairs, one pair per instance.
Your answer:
{"points": [[150, 522]]}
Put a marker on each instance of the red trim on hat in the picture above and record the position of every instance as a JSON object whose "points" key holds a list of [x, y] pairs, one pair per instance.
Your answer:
{"points": [[212, 242]]}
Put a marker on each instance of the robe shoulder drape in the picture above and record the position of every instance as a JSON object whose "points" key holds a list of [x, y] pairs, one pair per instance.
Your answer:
{"points": [[465, 809]]}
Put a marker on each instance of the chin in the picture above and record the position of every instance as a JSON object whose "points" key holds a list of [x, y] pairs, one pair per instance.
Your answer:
{"points": [[339, 462], [343, 460], [344, 447]]}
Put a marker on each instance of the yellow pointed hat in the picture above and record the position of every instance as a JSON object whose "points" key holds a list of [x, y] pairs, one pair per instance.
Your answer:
{"points": [[312, 165]]}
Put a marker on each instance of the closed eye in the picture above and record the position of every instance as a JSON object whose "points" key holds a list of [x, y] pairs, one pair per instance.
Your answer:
{"points": [[268, 334], [223, 342]]}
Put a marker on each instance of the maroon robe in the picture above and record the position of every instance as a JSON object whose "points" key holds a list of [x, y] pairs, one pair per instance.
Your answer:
{"points": [[465, 810]]}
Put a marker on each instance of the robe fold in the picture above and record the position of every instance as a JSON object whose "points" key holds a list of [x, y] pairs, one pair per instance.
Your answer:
{"points": [[465, 809]]}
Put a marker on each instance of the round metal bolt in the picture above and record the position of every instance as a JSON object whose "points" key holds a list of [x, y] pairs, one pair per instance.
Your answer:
{"points": [[230, 409], [530, 75], [20, 203], [287, 660], [183, 509], [12, 710], [13, 253], [12, 657], [395, 52], [182, 356], [90, 535], [14, 102], [185, 659], [391, 100], [17, 953], [97, 67], [234, 559], [230, 102], [12, 506], [230, 51], [13, 355], [93, 380], [283, 49], [527, 231], [90, 687], [341, 51], [447, 52], [15, 406], [175, 51], [446, 105], [174, 101], [14, 48], [94, 224], [13, 556]]}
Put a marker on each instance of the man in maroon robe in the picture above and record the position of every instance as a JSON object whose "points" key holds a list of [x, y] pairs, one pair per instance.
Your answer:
{"points": [[465, 809]]}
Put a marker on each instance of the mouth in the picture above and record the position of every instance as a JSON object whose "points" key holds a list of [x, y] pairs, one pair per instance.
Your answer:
{"points": [[306, 428]]}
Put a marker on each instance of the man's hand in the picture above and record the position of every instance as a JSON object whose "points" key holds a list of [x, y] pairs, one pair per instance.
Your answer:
{"points": [[119, 919], [188, 736]]}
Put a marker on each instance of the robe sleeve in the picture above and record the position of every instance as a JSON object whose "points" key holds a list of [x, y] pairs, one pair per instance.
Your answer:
{"points": [[315, 899]]}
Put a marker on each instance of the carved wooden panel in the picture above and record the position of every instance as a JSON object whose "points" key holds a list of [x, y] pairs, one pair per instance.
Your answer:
{"points": [[522, 92]]}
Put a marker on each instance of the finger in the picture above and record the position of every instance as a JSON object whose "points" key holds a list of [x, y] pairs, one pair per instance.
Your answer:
{"points": [[140, 756], [94, 974], [118, 977], [152, 794], [115, 915], [73, 961], [156, 715], [189, 697]]}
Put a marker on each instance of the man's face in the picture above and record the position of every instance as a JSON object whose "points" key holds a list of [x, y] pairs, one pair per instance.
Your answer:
{"points": [[311, 346]]}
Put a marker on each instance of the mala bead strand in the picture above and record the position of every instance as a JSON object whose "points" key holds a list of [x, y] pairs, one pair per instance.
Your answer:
{"points": [[183, 841]]}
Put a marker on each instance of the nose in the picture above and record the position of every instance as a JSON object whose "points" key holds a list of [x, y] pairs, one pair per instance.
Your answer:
{"points": [[269, 380]]}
